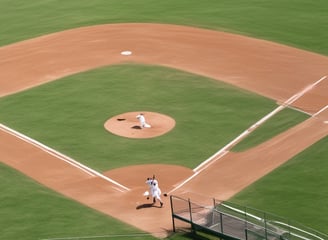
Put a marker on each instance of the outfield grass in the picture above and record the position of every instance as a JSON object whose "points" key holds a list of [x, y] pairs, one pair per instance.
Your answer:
{"points": [[296, 190], [300, 23], [69, 115]]}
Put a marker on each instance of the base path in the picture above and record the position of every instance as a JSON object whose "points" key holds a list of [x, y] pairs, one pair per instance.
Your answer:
{"points": [[272, 70]]}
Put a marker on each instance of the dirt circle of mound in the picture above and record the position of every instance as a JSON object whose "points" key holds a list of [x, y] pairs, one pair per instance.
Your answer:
{"points": [[127, 125]]}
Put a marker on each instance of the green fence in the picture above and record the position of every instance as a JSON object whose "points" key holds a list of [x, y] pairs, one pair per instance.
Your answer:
{"points": [[231, 221]]}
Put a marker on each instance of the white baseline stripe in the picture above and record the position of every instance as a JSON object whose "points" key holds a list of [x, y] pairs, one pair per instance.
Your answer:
{"points": [[241, 136], [320, 111], [301, 93], [300, 110], [34, 143], [200, 170], [184, 182], [226, 148], [211, 160], [60, 156]]}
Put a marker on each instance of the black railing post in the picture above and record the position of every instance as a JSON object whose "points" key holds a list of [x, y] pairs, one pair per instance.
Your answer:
{"points": [[221, 222], [246, 221], [172, 212], [265, 227], [190, 215]]}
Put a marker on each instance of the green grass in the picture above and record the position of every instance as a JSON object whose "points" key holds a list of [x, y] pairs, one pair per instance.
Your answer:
{"points": [[279, 123], [296, 190], [30, 211], [71, 114], [301, 23]]}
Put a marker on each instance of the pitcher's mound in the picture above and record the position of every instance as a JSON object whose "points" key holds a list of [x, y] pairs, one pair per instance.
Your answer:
{"points": [[127, 125]]}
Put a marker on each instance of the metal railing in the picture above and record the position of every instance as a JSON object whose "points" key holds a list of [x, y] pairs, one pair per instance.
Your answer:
{"points": [[231, 221]]}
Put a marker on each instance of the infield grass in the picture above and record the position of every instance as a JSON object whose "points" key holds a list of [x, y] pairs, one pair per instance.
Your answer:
{"points": [[69, 115]]}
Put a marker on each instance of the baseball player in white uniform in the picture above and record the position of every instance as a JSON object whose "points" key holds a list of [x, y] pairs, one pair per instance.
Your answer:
{"points": [[142, 121], [154, 190]]}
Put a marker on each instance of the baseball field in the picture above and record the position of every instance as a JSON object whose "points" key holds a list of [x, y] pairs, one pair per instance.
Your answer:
{"points": [[217, 68]]}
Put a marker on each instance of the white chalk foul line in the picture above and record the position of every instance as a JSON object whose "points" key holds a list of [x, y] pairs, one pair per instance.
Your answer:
{"points": [[226, 148], [211, 160], [302, 92], [320, 111], [60, 156]]}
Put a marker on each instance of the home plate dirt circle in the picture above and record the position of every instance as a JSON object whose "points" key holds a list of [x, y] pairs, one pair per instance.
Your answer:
{"points": [[127, 125]]}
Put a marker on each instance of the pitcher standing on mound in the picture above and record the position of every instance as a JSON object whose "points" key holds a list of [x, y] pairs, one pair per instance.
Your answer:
{"points": [[142, 121]]}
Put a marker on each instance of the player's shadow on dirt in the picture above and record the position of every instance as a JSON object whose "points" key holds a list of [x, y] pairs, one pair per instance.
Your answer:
{"points": [[136, 127], [146, 205]]}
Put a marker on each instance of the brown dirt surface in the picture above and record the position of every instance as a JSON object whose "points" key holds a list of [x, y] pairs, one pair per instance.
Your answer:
{"points": [[270, 69], [127, 125]]}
